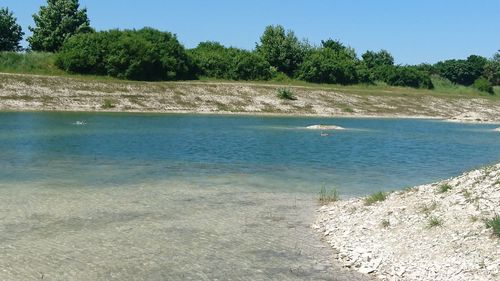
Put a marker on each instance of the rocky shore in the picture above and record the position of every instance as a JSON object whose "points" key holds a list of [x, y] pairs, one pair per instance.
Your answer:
{"points": [[430, 232], [21, 92]]}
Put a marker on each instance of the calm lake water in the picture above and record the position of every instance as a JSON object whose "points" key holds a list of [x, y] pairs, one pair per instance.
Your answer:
{"points": [[200, 197], [274, 153]]}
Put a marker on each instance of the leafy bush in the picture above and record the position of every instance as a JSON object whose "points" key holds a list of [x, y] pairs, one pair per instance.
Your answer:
{"points": [[213, 60], [483, 85], [364, 74], [249, 66], [492, 72], [145, 54], [85, 53], [326, 65], [463, 72], [376, 59], [285, 94], [408, 76]]}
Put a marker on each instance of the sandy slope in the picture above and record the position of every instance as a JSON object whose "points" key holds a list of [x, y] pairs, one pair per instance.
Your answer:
{"points": [[31, 92]]}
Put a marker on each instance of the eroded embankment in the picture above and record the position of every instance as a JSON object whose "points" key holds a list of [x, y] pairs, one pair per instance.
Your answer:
{"points": [[31, 92], [431, 232]]}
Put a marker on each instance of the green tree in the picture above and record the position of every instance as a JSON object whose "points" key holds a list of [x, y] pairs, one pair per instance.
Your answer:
{"points": [[492, 69], [249, 66], [329, 65], [377, 59], [55, 23], [216, 61], [483, 85], [408, 76], [463, 72], [282, 49], [145, 54], [10, 32], [211, 59]]}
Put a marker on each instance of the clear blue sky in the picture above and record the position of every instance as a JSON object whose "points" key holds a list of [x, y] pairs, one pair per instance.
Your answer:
{"points": [[414, 31]]}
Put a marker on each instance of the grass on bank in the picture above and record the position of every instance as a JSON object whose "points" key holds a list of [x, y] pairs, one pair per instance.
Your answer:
{"points": [[434, 222], [444, 188], [375, 197], [29, 63], [44, 64], [494, 224], [328, 196]]}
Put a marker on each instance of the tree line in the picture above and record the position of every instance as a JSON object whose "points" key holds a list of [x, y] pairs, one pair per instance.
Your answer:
{"points": [[63, 28]]}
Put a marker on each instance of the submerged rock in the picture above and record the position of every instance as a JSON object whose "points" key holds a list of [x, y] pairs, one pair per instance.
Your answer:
{"points": [[324, 127], [497, 129]]}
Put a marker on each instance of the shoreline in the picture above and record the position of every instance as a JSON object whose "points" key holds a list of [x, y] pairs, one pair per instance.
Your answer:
{"points": [[23, 92], [260, 114], [433, 231]]}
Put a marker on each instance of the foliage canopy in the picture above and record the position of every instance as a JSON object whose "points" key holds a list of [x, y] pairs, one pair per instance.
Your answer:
{"points": [[145, 54], [282, 49], [55, 23], [10, 32]]}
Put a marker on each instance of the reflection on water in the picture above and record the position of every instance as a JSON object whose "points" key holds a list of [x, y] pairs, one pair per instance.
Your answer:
{"points": [[181, 197]]}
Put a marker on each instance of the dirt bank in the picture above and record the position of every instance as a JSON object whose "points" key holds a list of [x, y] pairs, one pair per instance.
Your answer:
{"points": [[32, 92]]}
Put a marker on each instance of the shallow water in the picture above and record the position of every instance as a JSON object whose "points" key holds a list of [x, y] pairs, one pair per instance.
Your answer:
{"points": [[182, 197]]}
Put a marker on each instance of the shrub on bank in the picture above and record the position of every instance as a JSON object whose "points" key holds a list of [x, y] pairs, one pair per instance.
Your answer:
{"points": [[326, 65], [211, 59], [285, 94], [145, 54], [408, 76], [483, 85]]}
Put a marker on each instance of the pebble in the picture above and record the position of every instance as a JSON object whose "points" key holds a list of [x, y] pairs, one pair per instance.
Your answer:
{"points": [[409, 248]]}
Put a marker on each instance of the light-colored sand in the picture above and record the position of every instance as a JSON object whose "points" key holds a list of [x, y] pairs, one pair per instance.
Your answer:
{"points": [[395, 240]]}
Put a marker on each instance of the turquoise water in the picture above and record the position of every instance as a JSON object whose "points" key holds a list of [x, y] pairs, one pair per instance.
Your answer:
{"points": [[263, 152], [200, 197]]}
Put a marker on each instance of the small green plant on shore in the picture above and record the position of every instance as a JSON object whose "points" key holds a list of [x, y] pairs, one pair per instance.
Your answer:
{"points": [[473, 218], [108, 104], [444, 188], [427, 209], [327, 196], [285, 94], [385, 223], [347, 109], [434, 222], [494, 224], [469, 198], [375, 197]]}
